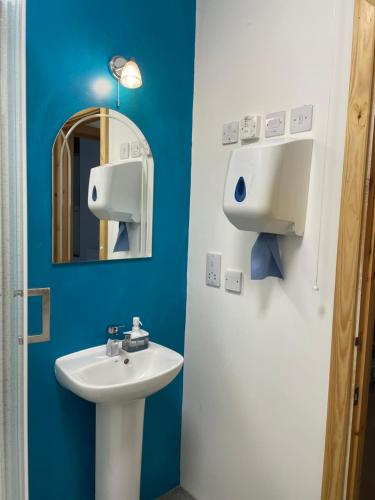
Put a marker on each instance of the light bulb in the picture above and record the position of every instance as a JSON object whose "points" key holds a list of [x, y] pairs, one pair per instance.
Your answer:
{"points": [[131, 77]]}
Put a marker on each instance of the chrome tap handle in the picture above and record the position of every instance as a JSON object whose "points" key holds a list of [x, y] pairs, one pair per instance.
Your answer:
{"points": [[116, 332]]}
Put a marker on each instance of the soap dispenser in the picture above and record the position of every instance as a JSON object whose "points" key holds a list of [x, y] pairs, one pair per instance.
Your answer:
{"points": [[139, 339]]}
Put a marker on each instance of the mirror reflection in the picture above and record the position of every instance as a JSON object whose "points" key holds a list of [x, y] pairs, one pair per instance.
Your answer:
{"points": [[102, 189]]}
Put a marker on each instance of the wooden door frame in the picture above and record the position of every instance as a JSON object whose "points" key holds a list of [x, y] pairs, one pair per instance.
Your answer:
{"points": [[354, 288], [64, 254], [104, 159]]}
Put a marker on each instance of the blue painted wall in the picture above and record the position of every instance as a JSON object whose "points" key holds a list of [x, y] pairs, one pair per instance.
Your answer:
{"points": [[68, 45]]}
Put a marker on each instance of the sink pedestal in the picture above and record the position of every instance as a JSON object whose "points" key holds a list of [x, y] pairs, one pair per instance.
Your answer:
{"points": [[118, 386], [119, 430]]}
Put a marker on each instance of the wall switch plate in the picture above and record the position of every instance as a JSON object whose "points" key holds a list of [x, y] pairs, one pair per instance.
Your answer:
{"points": [[301, 119], [250, 127], [275, 124], [213, 269], [124, 151], [230, 133], [135, 149], [146, 148], [233, 280]]}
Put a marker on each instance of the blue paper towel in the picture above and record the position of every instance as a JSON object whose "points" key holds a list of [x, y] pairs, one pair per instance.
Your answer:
{"points": [[122, 242], [265, 258]]}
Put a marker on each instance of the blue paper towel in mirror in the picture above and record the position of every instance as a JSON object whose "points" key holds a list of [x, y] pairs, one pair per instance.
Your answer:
{"points": [[122, 242], [265, 258]]}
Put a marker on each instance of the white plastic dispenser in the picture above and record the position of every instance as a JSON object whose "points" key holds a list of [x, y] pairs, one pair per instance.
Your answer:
{"points": [[139, 339], [267, 186], [136, 330], [115, 191]]}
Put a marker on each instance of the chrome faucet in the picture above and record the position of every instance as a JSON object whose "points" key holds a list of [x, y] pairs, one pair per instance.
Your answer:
{"points": [[117, 339]]}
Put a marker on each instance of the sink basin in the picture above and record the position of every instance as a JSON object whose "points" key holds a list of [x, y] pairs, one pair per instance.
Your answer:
{"points": [[94, 376], [118, 386]]}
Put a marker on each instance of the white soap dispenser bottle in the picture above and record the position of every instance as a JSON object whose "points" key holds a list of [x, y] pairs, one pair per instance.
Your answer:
{"points": [[136, 330], [139, 338]]}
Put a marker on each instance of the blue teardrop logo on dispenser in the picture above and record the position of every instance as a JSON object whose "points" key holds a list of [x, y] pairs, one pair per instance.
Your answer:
{"points": [[94, 194], [240, 192]]}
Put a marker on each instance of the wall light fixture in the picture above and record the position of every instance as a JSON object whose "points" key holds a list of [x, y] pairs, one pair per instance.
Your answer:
{"points": [[126, 72]]}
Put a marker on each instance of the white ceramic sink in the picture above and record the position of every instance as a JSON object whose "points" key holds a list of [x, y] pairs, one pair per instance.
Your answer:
{"points": [[94, 376], [118, 386]]}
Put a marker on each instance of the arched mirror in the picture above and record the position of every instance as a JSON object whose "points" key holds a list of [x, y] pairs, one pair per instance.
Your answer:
{"points": [[103, 173]]}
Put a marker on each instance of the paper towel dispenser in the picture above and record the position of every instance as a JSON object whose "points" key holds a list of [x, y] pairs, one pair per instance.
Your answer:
{"points": [[115, 191], [267, 186]]}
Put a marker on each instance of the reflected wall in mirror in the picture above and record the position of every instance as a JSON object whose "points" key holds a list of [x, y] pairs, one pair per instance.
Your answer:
{"points": [[103, 170]]}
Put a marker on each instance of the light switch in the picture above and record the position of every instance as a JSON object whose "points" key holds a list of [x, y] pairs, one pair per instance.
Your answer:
{"points": [[124, 151], [301, 119], [146, 148], [233, 280], [213, 269], [275, 124], [230, 133], [135, 149]]}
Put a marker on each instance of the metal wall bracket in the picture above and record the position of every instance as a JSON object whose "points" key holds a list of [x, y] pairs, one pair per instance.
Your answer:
{"points": [[45, 293]]}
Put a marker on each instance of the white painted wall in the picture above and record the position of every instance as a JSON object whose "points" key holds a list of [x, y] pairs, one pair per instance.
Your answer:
{"points": [[140, 235], [256, 373]]}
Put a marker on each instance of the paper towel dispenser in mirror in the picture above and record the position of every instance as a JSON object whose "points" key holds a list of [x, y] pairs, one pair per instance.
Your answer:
{"points": [[267, 186], [115, 191]]}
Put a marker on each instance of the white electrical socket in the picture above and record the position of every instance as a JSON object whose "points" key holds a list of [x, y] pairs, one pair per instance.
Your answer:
{"points": [[230, 133], [301, 119], [213, 269], [233, 280], [124, 151], [135, 149], [275, 124], [250, 127]]}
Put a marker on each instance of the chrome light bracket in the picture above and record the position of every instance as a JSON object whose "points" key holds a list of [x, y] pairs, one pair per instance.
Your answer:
{"points": [[115, 66]]}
